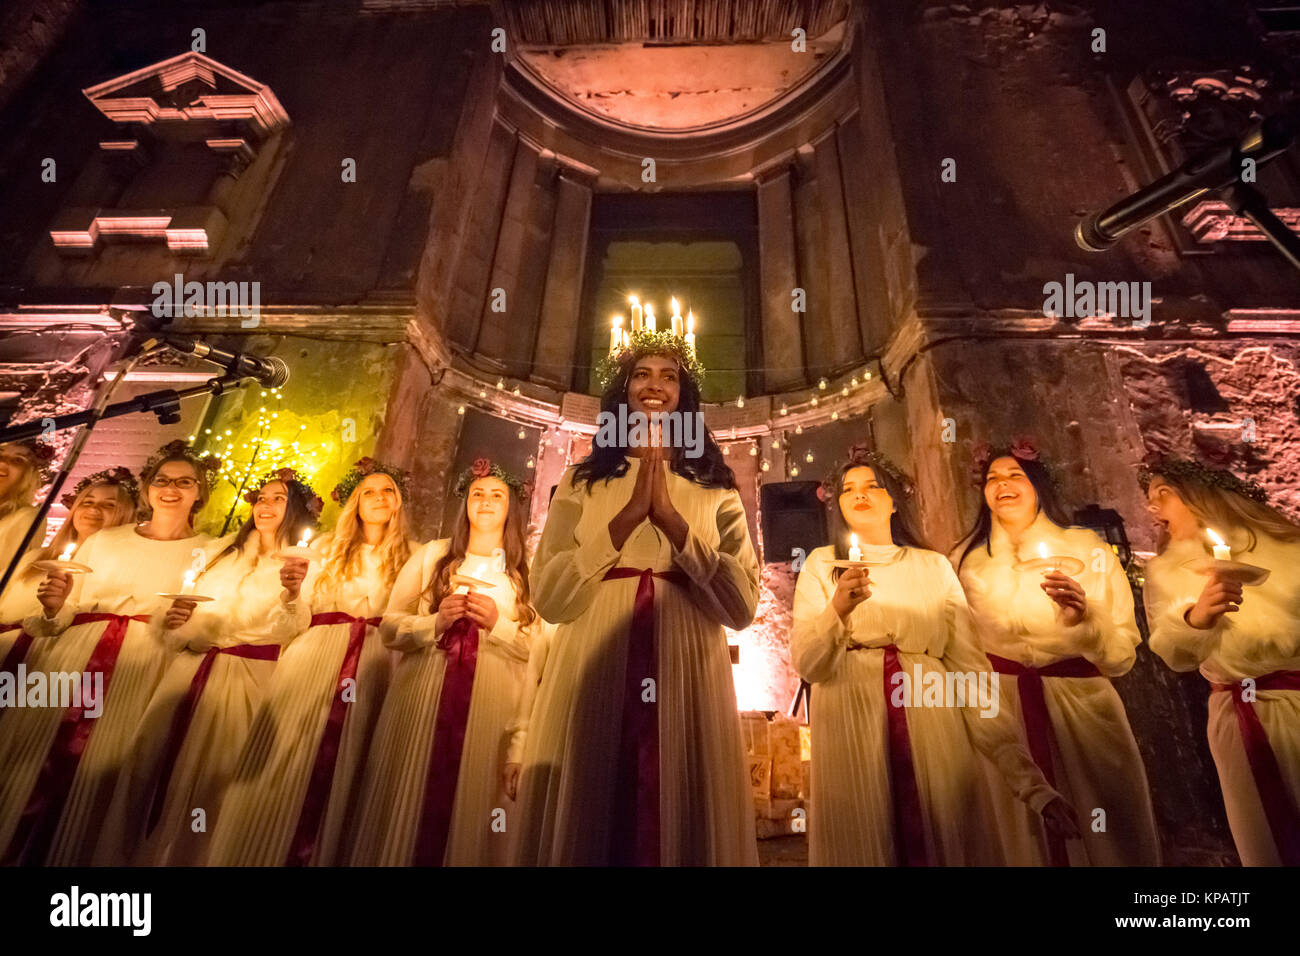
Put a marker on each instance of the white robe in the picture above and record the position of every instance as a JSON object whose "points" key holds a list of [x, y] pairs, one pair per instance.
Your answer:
{"points": [[246, 611], [917, 604], [18, 599], [1095, 758], [1260, 638], [265, 800], [566, 792], [396, 773], [128, 572], [12, 528]]}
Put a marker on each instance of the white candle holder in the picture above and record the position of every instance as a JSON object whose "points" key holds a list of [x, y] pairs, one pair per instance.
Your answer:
{"points": [[196, 598], [1248, 575], [464, 580], [1067, 564], [58, 564]]}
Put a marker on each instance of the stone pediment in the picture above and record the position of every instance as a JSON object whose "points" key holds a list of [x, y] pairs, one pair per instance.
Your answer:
{"points": [[185, 88]]}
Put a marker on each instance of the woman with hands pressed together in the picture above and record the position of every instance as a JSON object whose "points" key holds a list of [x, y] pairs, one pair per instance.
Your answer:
{"points": [[895, 784], [1246, 643], [61, 764], [1057, 640], [432, 791], [189, 740], [633, 753]]}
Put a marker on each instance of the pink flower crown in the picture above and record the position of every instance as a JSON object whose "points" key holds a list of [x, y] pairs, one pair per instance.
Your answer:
{"points": [[1022, 447], [364, 467], [290, 477], [119, 476]]}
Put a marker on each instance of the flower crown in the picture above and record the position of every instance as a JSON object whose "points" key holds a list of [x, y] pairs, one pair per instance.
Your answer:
{"points": [[291, 478], [119, 476], [643, 342], [42, 454], [982, 455], [1222, 479], [483, 468], [364, 467], [206, 466], [862, 455]]}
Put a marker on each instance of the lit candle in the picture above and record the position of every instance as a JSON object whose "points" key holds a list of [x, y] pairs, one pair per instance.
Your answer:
{"points": [[1044, 553], [67, 552], [188, 586], [649, 317], [690, 331], [677, 318], [855, 553], [1221, 550], [615, 334], [636, 312], [306, 537]]}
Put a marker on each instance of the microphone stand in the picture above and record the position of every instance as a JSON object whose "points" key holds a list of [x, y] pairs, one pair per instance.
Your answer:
{"points": [[165, 403]]}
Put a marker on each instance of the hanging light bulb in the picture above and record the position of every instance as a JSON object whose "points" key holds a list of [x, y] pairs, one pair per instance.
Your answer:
{"points": [[726, 449], [776, 443], [522, 434], [821, 383], [460, 409], [844, 391], [516, 389], [813, 400], [501, 383], [482, 393], [808, 458], [853, 380], [766, 466], [835, 416], [798, 429], [794, 471], [753, 449], [531, 463], [740, 401], [784, 410]]}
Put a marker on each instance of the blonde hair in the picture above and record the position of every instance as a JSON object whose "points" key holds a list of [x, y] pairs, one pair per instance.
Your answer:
{"points": [[22, 493], [341, 554], [1218, 508], [66, 534]]}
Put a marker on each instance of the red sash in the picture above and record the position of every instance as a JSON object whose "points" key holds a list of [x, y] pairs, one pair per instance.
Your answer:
{"points": [[327, 751], [36, 827], [185, 713], [17, 650], [635, 833], [1283, 820], [461, 644], [1038, 723], [909, 833]]}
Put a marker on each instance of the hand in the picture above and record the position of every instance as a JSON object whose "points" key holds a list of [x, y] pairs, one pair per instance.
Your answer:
{"points": [[53, 591], [1068, 594], [1218, 597], [481, 609], [178, 613], [637, 508], [663, 513], [510, 780], [853, 587], [292, 573], [451, 610], [1060, 819]]}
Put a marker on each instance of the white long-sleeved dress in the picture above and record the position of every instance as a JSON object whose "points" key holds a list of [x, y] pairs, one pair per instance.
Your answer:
{"points": [[246, 617], [262, 821], [916, 604], [396, 777], [1095, 759], [571, 756], [1261, 638], [19, 597], [60, 825]]}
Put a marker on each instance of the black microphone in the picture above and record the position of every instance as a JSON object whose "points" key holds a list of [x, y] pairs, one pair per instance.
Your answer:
{"points": [[1208, 171], [270, 372]]}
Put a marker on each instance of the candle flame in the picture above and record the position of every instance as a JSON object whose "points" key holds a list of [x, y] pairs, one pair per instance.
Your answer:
{"points": [[1214, 536], [306, 537], [67, 552], [676, 309], [617, 322], [1042, 550], [853, 540], [632, 299], [690, 322]]}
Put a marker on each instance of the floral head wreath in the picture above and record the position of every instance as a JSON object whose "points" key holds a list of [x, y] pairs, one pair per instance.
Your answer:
{"points": [[1220, 478], [206, 466], [863, 456], [643, 342], [363, 468], [982, 455], [291, 478], [483, 468], [119, 476]]}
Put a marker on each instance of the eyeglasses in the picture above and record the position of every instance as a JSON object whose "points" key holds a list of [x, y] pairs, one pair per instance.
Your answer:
{"points": [[184, 484]]}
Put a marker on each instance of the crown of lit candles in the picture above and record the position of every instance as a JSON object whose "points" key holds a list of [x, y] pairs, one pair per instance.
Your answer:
{"points": [[643, 317]]}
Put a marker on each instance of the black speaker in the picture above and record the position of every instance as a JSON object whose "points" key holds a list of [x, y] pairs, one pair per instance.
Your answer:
{"points": [[793, 518]]}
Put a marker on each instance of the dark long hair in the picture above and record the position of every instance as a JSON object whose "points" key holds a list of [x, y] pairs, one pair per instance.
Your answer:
{"points": [[516, 557], [610, 461], [902, 523], [296, 517], [1048, 501]]}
